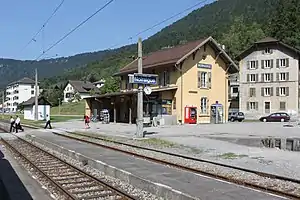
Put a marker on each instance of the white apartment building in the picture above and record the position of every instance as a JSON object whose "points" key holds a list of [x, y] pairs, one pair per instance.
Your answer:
{"points": [[269, 79], [18, 92]]}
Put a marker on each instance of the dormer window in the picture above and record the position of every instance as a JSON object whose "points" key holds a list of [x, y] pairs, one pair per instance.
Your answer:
{"points": [[268, 51]]}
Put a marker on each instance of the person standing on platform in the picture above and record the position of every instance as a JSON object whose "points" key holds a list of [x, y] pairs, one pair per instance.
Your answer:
{"points": [[12, 124], [18, 124], [48, 122]]}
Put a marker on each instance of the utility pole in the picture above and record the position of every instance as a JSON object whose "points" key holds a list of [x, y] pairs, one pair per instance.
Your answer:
{"points": [[3, 99], [36, 114], [58, 106], [139, 121]]}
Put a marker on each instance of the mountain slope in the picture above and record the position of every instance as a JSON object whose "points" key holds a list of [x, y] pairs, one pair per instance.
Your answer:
{"points": [[213, 19]]}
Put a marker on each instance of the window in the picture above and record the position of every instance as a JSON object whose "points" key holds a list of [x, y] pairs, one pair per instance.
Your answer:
{"points": [[282, 63], [282, 105], [235, 90], [174, 103], [267, 77], [268, 51], [32, 92], [32, 86], [204, 79], [252, 92], [252, 105], [166, 79], [253, 65], [252, 77], [266, 92], [282, 76], [204, 105], [267, 64], [282, 91]]}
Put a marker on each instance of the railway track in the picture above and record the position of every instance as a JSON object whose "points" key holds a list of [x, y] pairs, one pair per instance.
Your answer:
{"points": [[271, 188], [71, 182]]}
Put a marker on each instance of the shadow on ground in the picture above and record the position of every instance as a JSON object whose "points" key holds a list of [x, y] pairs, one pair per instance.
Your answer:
{"points": [[11, 187]]}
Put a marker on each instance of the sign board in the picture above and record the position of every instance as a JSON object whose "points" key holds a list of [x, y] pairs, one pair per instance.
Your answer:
{"points": [[146, 79], [205, 66]]}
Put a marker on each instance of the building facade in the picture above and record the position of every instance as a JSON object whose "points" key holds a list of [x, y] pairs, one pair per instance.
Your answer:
{"points": [[269, 79], [19, 92], [193, 75], [83, 88], [234, 90]]}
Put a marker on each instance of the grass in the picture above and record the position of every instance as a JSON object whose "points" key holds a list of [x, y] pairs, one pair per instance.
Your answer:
{"points": [[232, 156], [158, 142], [73, 108]]}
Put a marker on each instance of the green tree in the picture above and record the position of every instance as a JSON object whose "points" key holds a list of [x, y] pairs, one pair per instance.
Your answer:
{"points": [[285, 23], [111, 85], [241, 36]]}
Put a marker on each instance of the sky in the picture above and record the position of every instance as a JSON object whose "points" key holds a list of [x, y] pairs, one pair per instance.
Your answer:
{"points": [[20, 20]]}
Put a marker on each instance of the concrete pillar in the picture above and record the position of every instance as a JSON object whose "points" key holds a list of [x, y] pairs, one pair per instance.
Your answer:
{"points": [[115, 113], [283, 144]]}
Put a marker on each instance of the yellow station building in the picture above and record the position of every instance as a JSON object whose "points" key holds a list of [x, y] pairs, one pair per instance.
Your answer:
{"points": [[193, 75]]}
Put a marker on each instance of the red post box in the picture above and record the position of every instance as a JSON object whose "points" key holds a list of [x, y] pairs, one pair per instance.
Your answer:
{"points": [[190, 115]]}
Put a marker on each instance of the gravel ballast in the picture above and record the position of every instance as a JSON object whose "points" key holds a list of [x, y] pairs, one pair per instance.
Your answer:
{"points": [[133, 191]]}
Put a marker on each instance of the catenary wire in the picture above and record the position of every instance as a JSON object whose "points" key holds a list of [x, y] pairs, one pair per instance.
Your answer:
{"points": [[74, 29], [161, 22], [43, 26]]}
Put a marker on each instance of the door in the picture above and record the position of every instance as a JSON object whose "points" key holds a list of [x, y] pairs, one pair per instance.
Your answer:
{"points": [[267, 107]]}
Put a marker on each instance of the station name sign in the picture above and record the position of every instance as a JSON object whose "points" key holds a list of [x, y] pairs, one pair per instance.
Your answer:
{"points": [[146, 79], [205, 66]]}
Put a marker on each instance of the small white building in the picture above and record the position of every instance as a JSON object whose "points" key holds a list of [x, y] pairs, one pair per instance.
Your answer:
{"points": [[83, 88], [18, 92], [43, 108]]}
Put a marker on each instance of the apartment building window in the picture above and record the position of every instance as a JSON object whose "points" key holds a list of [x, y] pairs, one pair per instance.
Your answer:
{"points": [[268, 51], [252, 77], [253, 64], [282, 62], [32, 92], [252, 92], [283, 76], [204, 79], [252, 105], [266, 64], [268, 77], [282, 91], [32, 86], [267, 91], [282, 105], [235, 90], [203, 107]]}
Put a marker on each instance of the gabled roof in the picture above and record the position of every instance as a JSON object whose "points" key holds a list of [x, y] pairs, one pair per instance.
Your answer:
{"points": [[82, 86], [175, 55], [266, 41], [41, 101], [24, 80]]}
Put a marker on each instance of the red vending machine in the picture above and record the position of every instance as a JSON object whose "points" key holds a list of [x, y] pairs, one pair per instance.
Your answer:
{"points": [[190, 115]]}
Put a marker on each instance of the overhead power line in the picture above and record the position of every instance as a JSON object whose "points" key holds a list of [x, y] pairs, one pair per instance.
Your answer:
{"points": [[33, 39], [161, 22], [74, 29]]}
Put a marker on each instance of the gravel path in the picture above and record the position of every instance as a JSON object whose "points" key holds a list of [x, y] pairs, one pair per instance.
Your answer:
{"points": [[237, 175]]}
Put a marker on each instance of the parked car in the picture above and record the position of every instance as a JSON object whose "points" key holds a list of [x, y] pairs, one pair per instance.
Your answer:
{"points": [[276, 117], [236, 116]]}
